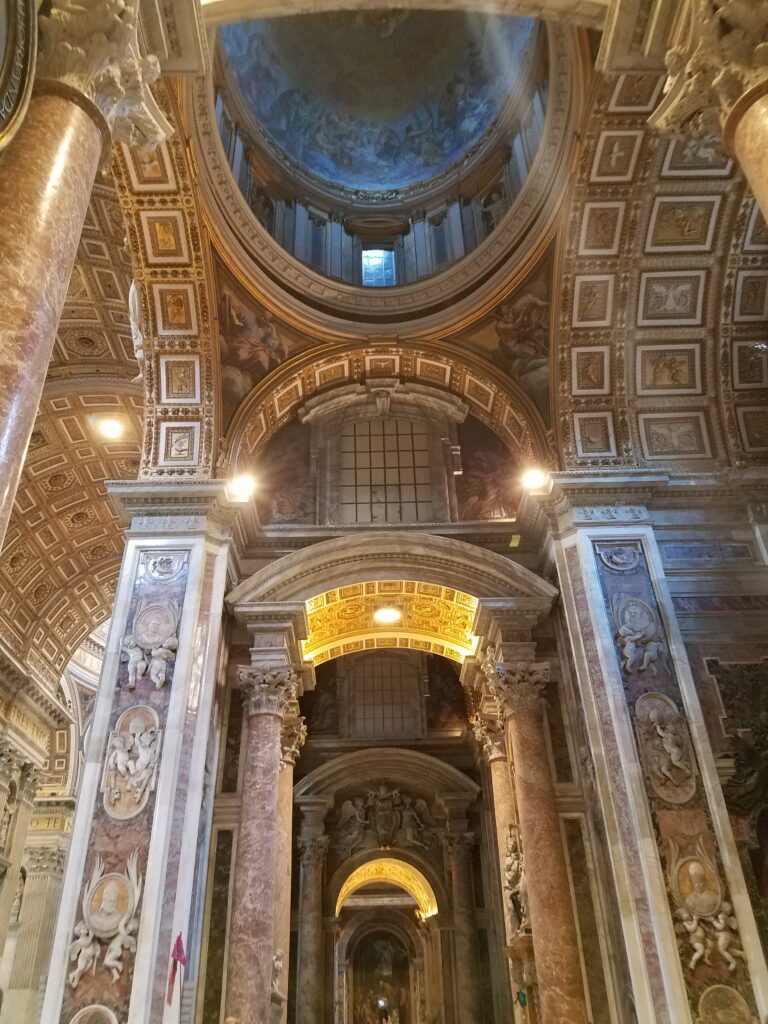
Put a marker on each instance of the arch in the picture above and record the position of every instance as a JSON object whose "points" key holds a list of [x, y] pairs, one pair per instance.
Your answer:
{"points": [[490, 395], [397, 872], [493, 579]]}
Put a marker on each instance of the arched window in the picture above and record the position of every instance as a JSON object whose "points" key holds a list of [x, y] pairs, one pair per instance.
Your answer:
{"points": [[385, 474], [385, 697]]}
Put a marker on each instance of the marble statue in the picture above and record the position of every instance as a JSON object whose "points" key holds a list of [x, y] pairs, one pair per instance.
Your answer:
{"points": [[515, 882], [134, 313], [277, 969], [353, 821], [124, 940], [160, 659], [130, 769], [134, 655], [83, 952]]}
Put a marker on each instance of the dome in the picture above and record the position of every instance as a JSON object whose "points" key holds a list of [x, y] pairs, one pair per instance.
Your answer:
{"points": [[376, 101]]}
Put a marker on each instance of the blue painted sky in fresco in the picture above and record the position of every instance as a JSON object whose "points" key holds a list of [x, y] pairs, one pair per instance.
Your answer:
{"points": [[329, 107]]}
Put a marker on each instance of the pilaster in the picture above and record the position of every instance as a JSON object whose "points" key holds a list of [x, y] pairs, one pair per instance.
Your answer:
{"points": [[141, 802]]}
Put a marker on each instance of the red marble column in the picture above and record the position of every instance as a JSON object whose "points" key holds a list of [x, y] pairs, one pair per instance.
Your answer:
{"points": [[46, 176], [459, 846], [550, 907], [268, 692], [309, 1004]]}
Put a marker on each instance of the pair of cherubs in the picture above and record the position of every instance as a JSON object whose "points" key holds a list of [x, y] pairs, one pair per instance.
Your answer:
{"points": [[133, 760], [725, 939], [160, 658]]}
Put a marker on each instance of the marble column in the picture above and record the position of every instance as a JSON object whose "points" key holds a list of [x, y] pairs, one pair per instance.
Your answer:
{"points": [[90, 86], [45, 867], [27, 781], [292, 737], [459, 846], [268, 692], [309, 1004], [519, 688], [718, 83]]}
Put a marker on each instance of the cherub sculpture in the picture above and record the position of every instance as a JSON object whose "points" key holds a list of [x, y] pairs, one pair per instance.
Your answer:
{"points": [[83, 952], [137, 662]]}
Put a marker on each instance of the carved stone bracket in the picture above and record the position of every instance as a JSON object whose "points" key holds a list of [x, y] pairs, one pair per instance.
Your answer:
{"points": [[724, 57], [517, 687], [92, 47], [268, 691], [313, 849], [292, 738]]}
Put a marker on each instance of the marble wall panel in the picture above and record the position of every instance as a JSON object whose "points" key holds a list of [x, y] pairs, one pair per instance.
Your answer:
{"points": [[117, 842], [699, 901]]}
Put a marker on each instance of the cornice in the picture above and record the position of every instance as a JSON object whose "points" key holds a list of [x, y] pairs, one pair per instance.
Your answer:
{"points": [[17, 684]]}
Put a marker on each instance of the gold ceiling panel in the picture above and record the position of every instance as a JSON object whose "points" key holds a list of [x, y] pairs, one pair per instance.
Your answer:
{"points": [[395, 872], [434, 619]]}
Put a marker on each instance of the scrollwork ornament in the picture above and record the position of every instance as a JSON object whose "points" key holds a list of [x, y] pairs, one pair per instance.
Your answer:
{"points": [[92, 46]]}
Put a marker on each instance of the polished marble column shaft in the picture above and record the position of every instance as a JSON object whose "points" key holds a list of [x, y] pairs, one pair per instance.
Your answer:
{"points": [[750, 146], [519, 688], [309, 1003], [46, 176], [252, 924], [459, 846]]}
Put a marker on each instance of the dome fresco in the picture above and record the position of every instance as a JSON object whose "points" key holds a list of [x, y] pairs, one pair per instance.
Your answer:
{"points": [[376, 101]]}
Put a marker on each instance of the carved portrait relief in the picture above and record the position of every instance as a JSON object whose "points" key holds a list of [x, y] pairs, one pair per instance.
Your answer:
{"points": [[94, 1015], [665, 748], [130, 766], [721, 1003]]}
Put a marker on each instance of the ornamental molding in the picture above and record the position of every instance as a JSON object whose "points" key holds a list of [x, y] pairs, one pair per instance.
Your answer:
{"points": [[723, 57], [93, 48], [489, 735], [46, 861], [268, 691]]}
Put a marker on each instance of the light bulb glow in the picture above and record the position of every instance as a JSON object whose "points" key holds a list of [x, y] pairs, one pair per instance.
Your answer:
{"points": [[386, 616], [110, 428], [534, 478], [241, 488]]}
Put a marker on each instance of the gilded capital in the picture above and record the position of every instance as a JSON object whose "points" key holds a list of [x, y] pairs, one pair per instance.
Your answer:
{"points": [[268, 691], [724, 56], [489, 735], [92, 46], [518, 687], [292, 738], [313, 849]]}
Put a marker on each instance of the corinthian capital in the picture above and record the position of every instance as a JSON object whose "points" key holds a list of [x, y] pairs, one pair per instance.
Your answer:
{"points": [[489, 734], [292, 738], [268, 691], [92, 46], [313, 850], [45, 861], [458, 844], [724, 57], [517, 687]]}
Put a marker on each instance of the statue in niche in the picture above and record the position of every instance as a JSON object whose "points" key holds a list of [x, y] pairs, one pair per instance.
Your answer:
{"points": [[134, 315], [514, 881], [638, 633], [707, 923], [665, 748], [130, 769]]}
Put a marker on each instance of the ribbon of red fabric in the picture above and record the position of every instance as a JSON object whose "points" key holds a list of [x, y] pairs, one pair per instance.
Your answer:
{"points": [[178, 956]]}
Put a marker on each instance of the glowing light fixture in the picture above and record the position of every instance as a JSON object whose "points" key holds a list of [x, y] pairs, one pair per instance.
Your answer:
{"points": [[110, 428], [386, 616], [241, 488], [534, 478]]}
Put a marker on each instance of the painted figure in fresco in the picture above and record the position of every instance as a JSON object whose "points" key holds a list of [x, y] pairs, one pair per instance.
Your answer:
{"points": [[250, 345]]}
